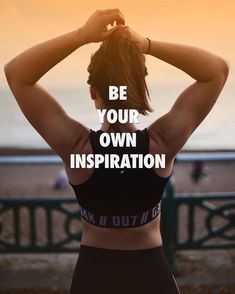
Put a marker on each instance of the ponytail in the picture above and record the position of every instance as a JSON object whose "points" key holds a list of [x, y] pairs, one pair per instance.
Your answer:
{"points": [[119, 62]]}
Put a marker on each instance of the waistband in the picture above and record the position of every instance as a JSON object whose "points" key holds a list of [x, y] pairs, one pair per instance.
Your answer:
{"points": [[93, 256], [121, 221]]}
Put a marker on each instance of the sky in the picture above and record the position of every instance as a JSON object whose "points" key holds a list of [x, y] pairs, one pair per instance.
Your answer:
{"points": [[209, 24]]}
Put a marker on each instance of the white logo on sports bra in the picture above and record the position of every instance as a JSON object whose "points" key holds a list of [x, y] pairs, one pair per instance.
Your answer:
{"points": [[122, 171]]}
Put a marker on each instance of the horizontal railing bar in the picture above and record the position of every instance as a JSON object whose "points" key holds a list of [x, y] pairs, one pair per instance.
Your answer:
{"points": [[216, 246], [205, 196], [30, 159], [38, 249], [68, 199], [33, 200], [54, 159], [207, 156]]}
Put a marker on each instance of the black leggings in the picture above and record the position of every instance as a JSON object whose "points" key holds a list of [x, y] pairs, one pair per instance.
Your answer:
{"points": [[109, 271]]}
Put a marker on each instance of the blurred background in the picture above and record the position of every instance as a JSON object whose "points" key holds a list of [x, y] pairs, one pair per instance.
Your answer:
{"points": [[25, 225], [207, 24]]}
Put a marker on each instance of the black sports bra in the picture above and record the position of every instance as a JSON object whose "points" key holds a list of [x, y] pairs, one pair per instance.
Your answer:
{"points": [[114, 198]]}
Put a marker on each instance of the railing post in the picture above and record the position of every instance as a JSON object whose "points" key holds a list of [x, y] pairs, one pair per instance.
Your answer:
{"points": [[169, 224]]}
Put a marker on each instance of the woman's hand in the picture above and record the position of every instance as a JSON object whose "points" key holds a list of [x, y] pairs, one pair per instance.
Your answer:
{"points": [[95, 29], [136, 38]]}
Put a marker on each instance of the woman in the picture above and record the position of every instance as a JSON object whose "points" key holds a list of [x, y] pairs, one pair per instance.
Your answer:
{"points": [[121, 247]]}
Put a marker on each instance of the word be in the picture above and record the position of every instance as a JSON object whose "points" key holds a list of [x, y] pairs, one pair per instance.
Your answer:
{"points": [[113, 93]]}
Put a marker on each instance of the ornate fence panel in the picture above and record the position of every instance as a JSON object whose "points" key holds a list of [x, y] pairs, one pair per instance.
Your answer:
{"points": [[218, 220], [39, 225], [207, 222]]}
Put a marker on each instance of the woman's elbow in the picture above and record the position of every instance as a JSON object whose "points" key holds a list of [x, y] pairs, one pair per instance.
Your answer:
{"points": [[6, 70], [9, 73], [12, 74], [224, 68]]}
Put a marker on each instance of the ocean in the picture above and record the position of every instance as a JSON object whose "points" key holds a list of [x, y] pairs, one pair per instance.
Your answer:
{"points": [[216, 132]]}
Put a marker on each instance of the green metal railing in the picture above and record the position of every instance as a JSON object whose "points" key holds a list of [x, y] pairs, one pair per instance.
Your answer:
{"points": [[23, 214], [216, 212], [28, 224]]}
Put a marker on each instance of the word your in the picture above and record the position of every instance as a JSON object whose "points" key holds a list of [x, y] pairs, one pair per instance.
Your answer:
{"points": [[116, 161], [121, 115]]}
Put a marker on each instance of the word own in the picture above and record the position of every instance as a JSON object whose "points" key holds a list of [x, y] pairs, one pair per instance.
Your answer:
{"points": [[118, 139]]}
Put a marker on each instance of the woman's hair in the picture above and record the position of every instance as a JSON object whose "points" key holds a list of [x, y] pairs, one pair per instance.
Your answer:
{"points": [[119, 62]]}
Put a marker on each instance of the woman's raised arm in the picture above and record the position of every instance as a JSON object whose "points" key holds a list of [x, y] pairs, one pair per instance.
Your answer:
{"points": [[172, 130], [45, 114]]}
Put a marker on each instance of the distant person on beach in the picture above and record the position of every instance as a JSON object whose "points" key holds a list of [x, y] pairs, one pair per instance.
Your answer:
{"points": [[197, 172], [121, 248]]}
